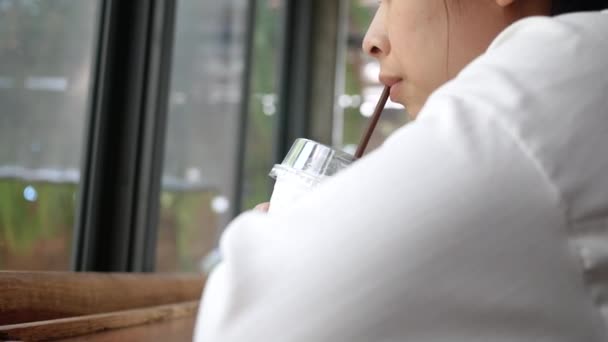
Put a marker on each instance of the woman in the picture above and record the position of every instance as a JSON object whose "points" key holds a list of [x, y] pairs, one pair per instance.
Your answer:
{"points": [[484, 220]]}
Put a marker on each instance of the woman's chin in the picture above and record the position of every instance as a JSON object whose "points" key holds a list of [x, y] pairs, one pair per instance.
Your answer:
{"points": [[412, 110]]}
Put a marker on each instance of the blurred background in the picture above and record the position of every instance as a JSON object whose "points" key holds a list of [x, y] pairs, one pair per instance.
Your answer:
{"points": [[131, 134]]}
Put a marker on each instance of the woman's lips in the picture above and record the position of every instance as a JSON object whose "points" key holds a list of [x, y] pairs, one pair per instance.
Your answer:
{"points": [[394, 83]]}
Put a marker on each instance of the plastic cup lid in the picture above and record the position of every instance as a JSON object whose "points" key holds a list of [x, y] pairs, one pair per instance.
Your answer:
{"points": [[314, 159]]}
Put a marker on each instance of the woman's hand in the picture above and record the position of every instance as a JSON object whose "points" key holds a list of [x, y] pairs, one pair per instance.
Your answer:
{"points": [[263, 207]]}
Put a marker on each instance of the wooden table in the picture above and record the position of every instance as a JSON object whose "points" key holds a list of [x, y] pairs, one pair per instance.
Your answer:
{"points": [[176, 330]]}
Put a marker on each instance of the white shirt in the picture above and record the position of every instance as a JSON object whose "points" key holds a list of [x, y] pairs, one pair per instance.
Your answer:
{"points": [[484, 220]]}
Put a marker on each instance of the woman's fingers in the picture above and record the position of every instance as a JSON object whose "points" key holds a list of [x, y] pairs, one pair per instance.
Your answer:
{"points": [[262, 207]]}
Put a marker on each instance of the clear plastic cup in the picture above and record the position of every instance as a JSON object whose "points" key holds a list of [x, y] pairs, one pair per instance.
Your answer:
{"points": [[306, 165]]}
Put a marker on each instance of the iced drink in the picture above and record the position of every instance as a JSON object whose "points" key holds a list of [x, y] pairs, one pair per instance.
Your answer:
{"points": [[306, 165]]}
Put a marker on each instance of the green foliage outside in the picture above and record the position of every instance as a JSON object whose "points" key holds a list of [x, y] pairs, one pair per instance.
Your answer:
{"points": [[24, 223]]}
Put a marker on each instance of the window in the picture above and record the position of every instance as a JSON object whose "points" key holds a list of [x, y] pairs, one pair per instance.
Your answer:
{"points": [[204, 176], [219, 146], [203, 139], [46, 50], [263, 104]]}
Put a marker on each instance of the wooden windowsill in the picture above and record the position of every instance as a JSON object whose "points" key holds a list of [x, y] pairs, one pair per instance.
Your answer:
{"points": [[52, 305]]}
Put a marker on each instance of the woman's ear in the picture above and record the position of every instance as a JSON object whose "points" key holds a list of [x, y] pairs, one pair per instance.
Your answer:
{"points": [[504, 3]]}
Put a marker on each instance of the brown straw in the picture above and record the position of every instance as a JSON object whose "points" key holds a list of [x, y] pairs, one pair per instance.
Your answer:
{"points": [[372, 125]]}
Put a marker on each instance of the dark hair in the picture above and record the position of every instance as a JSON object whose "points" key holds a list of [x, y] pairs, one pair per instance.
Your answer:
{"points": [[567, 6]]}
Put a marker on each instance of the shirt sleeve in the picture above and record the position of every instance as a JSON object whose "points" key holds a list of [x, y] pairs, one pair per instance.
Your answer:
{"points": [[449, 232]]}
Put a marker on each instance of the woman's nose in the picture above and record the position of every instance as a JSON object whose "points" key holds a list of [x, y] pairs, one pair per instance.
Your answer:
{"points": [[376, 43]]}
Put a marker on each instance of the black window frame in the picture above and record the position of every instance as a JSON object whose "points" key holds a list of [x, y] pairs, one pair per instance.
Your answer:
{"points": [[117, 212]]}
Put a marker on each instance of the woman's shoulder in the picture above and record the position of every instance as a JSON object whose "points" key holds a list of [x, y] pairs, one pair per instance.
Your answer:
{"points": [[546, 81], [586, 26]]}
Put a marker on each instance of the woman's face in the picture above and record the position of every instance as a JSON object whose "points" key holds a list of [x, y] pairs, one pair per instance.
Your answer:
{"points": [[421, 44]]}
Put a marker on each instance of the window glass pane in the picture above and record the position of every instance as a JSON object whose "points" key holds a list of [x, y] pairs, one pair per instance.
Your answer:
{"points": [[263, 104], [202, 132], [361, 86], [46, 52]]}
